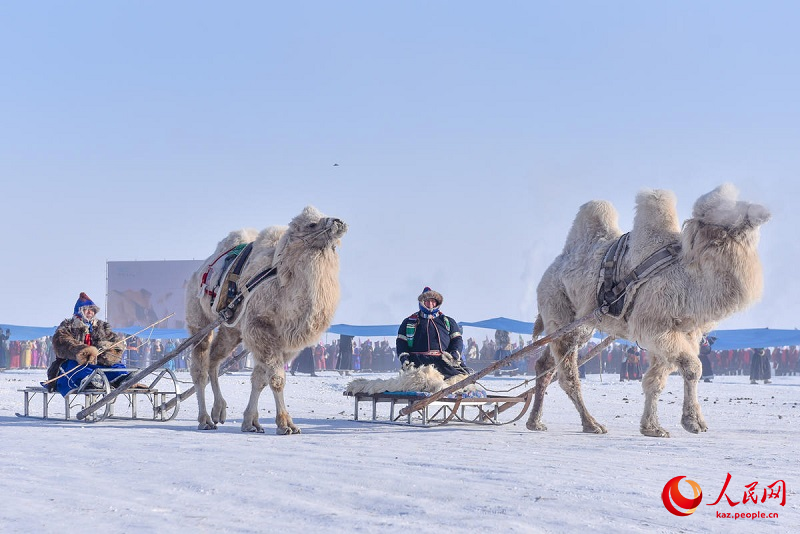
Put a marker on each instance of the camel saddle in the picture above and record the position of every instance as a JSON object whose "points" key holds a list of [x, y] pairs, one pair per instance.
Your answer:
{"points": [[613, 288], [224, 288]]}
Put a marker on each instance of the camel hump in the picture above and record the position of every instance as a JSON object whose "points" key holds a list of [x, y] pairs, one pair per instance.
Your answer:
{"points": [[269, 237], [235, 238], [597, 219], [657, 208], [656, 223]]}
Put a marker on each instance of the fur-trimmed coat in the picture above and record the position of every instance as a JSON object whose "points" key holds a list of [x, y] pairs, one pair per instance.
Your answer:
{"points": [[431, 333], [439, 332], [68, 341]]}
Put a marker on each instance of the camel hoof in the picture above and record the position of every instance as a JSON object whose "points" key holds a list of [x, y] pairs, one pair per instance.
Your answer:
{"points": [[595, 428], [285, 431], [206, 426], [252, 427], [695, 427], [535, 425], [219, 416], [654, 432]]}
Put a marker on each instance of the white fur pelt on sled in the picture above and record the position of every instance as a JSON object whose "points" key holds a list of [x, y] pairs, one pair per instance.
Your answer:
{"points": [[425, 378]]}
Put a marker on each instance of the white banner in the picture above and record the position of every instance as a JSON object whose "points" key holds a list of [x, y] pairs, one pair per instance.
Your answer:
{"points": [[140, 293]]}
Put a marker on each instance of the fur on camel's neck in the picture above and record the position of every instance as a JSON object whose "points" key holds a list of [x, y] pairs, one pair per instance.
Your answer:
{"points": [[308, 293]]}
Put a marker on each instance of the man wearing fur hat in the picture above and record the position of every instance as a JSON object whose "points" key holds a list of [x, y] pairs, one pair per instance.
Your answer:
{"points": [[428, 337], [82, 343]]}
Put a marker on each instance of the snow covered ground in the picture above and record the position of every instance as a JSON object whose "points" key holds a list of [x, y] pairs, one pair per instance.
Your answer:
{"points": [[345, 476]]}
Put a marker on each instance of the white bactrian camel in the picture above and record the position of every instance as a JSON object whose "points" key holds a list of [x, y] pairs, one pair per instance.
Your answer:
{"points": [[717, 272], [281, 316]]}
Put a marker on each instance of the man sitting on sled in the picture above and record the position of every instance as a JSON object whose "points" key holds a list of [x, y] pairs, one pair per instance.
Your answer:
{"points": [[83, 343], [430, 337]]}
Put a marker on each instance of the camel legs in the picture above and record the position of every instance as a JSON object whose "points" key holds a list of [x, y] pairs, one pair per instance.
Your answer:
{"points": [[653, 383], [258, 381], [568, 378], [692, 418], [282, 418], [206, 357], [569, 381], [545, 369], [199, 371], [274, 375], [224, 342]]}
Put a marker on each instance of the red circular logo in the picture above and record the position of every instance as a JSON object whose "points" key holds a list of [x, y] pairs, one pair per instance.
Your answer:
{"points": [[673, 499]]}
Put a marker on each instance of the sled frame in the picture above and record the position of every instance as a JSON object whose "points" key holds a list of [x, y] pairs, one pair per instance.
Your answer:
{"points": [[456, 409], [85, 395]]}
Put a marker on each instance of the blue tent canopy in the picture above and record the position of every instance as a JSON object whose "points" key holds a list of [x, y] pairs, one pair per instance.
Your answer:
{"points": [[503, 323], [377, 330], [24, 333], [755, 337]]}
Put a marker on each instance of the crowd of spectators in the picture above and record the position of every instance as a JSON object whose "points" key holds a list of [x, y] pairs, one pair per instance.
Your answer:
{"points": [[623, 359], [38, 353], [380, 356], [367, 355]]}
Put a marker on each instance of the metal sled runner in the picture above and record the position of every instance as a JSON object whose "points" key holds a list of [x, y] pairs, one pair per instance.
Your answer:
{"points": [[156, 399], [458, 408]]}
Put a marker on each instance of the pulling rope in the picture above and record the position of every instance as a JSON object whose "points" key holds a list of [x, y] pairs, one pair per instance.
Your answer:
{"points": [[123, 340]]}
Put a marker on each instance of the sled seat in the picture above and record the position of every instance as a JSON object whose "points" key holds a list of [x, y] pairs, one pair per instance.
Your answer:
{"points": [[147, 396], [483, 410]]}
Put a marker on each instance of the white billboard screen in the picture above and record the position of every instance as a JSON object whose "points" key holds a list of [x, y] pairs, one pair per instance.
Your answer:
{"points": [[139, 293]]}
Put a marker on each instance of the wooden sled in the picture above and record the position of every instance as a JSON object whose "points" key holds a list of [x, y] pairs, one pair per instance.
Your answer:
{"points": [[460, 409], [159, 400]]}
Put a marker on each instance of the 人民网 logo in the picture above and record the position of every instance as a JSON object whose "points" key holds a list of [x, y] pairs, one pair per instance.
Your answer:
{"points": [[674, 500]]}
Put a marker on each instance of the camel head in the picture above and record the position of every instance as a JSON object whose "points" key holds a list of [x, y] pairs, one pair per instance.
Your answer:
{"points": [[312, 230], [718, 218], [724, 228], [721, 208]]}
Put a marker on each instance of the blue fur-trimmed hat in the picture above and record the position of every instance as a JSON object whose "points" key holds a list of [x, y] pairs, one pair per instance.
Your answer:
{"points": [[84, 301], [429, 293]]}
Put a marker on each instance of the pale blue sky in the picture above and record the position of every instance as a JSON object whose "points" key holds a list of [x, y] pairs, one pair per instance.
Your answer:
{"points": [[467, 134]]}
